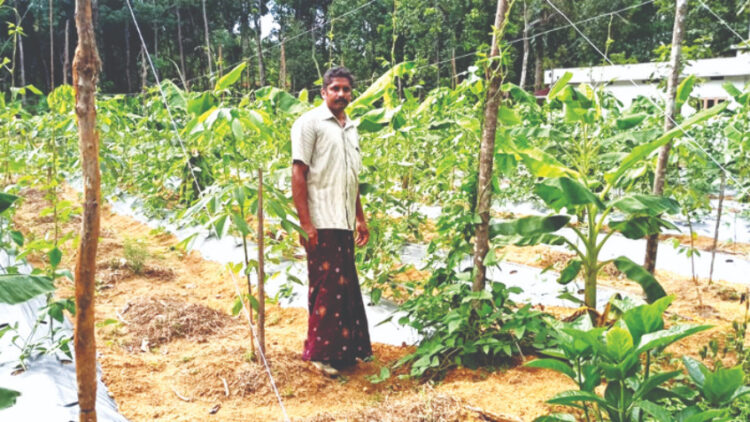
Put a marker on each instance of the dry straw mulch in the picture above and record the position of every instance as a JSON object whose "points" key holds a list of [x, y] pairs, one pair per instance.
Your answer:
{"points": [[160, 320]]}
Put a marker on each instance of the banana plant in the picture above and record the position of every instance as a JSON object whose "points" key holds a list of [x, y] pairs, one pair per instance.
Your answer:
{"points": [[590, 355], [595, 208]]}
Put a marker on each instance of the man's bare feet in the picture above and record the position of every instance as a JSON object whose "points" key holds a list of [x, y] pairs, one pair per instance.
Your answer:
{"points": [[326, 369]]}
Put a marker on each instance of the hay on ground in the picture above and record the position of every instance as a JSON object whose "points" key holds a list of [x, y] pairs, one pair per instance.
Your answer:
{"points": [[160, 320]]}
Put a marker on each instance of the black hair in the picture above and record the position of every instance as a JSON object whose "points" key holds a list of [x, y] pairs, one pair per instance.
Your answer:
{"points": [[337, 72]]}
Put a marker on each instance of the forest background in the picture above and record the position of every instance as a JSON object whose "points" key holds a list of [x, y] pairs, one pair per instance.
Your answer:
{"points": [[192, 41]]}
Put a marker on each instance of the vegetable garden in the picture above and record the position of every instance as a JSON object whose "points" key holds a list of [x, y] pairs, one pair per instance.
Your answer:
{"points": [[201, 287]]}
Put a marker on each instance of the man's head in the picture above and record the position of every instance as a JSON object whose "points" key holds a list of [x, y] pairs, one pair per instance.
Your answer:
{"points": [[337, 88]]}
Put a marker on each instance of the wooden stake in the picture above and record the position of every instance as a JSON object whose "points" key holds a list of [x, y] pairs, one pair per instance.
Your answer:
{"points": [[678, 33], [722, 189], [85, 75], [261, 270], [487, 150]]}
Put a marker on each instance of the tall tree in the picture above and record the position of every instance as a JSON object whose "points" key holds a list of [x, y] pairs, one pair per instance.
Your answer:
{"points": [[51, 48], [487, 148], [206, 34], [256, 20], [678, 34], [85, 75]]}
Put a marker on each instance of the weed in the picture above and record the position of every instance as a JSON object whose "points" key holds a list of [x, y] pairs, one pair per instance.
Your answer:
{"points": [[136, 253]]}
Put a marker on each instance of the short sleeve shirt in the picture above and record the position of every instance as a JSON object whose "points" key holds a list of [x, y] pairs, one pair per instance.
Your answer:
{"points": [[333, 155]]}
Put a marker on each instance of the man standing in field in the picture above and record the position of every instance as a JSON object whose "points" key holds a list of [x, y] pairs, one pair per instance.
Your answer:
{"points": [[326, 165]]}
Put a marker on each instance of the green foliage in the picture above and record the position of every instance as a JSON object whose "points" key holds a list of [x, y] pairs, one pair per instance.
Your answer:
{"points": [[135, 252], [472, 329], [8, 398], [18, 288], [590, 355]]}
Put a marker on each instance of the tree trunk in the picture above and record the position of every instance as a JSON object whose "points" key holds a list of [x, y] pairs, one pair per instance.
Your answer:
{"points": [[261, 270], [718, 223], [206, 35], [85, 74], [454, 72], [181, 48], [282, 68], [66, 59], [51, 48], [258, 44], [678, 32], [487, 150], [156, 38], [539, 64], [22, 61], [144, 69], [127, 56], [526, 48]]}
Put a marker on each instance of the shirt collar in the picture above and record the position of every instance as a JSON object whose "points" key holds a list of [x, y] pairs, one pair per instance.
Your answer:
{"points": [[326, 114]]}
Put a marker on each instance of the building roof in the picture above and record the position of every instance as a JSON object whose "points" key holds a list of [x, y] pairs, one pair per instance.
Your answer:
{"points": [[703, 68]]}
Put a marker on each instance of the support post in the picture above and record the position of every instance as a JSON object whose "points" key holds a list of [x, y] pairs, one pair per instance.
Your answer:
{"points": [[86, 66], [487, 149], [678, 33]]}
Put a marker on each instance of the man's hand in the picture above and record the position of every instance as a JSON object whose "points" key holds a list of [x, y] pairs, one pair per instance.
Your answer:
{"points": [[312, 238], [363, 235]]}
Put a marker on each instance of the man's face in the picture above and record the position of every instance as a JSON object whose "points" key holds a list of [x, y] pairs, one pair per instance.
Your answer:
{"points": [[338, 94]]}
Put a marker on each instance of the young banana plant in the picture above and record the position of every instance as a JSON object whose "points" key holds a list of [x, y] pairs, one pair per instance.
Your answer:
{"points": [[586, 204]]}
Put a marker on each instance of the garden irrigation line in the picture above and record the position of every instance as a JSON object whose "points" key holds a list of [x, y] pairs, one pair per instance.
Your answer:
{"points": [[313, 28], [532, 37], [677, 125], [164, 97], [705, 6], [260, 349]]}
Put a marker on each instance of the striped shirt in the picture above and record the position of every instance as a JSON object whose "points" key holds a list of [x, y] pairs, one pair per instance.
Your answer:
{"points": [[332, 153]]}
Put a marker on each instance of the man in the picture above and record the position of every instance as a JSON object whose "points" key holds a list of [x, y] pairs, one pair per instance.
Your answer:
{"points": [[326, 164]]}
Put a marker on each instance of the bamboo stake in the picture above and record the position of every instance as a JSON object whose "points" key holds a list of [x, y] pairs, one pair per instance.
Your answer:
{"points": [[85, 75], [718, 224]]}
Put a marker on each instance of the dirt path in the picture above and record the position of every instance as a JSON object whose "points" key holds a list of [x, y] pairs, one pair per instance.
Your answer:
{"points": [[167, 333]]}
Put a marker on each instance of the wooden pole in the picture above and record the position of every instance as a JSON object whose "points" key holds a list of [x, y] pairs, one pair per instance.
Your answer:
{"points": [[66, 59], [85, 75], [261, 270], [722, 189], [526, 47], [487, 149], [678, 33], [206, 35]]}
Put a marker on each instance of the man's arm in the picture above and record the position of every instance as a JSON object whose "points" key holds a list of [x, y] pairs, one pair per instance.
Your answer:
{"points": [[363, 235], [299, 194]]}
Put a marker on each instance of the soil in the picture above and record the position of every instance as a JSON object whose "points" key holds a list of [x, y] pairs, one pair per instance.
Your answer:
{"points": [[196, 361]]}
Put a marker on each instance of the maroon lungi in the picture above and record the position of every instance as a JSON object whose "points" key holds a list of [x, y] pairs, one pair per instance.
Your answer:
{"points": [[337, 325]]}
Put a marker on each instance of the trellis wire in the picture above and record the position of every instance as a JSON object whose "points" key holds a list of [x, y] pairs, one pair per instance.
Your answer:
{"points": [[184, 150], [690, 138]]}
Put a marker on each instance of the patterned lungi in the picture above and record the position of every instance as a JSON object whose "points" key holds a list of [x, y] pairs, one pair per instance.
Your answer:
{"points": [[337, 325]]}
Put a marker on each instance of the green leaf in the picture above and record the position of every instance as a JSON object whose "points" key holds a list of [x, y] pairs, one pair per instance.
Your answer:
{"points": [[642, 151], [530, 226], [17, 237], [705, 416], [652, 205], [564, 192], [201, 103], [375, 295], [554, 365], [230, 78], [652, 382], [573, 397], [240, 224], [55, 256], [664, 338], [508, 116], [635, 272], [720, 385], [6, 200], [570, 271], [638, 227], [646, 319], [542, 164], [18, 288], [8, 398], [237, 307], [683, 92], [619, 343], [695, 370], [559, 85], [658, 412], [630, 121]]}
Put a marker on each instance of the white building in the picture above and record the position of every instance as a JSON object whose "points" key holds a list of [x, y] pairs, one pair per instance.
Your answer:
{"points": [[628, 81]]}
